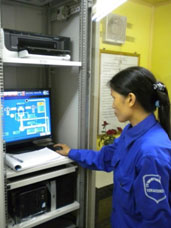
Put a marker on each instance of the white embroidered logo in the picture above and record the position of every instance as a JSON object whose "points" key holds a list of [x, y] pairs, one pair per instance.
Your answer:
{"points": [[153, 188]]}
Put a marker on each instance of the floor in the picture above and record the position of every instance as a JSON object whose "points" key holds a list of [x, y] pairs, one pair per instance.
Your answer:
{"points": [[103, 206]]}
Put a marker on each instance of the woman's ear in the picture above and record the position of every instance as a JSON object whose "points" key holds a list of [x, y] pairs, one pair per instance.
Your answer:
{"points": [[131, 99]]}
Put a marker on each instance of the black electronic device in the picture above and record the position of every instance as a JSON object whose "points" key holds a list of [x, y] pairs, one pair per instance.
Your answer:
{"points": [[27, 118], [58, 148], [24, 44], [65, 189], [53, 147], [35, 2], [25, 203]]}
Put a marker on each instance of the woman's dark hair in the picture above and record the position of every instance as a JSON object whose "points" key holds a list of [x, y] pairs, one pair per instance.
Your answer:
{"points": [[150, 93]]}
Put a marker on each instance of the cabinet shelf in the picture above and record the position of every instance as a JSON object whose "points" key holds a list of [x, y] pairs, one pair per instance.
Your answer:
{"points": [[12, 174], [47, 216], [40, 61], [41, 177]]}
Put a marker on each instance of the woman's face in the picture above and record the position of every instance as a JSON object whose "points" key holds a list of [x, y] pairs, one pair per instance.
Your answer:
{"points": [[121, 106]]}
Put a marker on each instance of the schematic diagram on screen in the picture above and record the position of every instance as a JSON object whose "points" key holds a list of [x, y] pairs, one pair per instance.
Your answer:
{"points": [[28, 117]]}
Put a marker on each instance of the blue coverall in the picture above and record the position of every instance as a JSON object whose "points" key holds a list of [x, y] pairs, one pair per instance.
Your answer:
{"points": [[141, 161]]}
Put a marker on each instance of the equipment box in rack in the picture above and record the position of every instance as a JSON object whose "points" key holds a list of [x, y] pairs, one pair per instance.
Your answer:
{"points": [[27, 202], [65, 189], [33, 200]]}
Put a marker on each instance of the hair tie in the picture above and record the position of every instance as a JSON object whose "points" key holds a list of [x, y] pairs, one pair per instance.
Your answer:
{"points": [[159, 86], [157, 104]]}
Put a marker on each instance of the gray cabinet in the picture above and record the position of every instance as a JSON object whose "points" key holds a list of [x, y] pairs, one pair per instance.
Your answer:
{"points": [[69, 84]]}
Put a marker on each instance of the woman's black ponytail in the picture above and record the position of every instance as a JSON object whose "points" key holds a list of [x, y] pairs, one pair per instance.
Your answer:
{"points": [[163, 105], [149, 93]]}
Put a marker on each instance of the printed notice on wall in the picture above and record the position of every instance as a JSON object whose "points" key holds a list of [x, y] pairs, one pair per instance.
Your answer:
{"points": [[110, 65]]}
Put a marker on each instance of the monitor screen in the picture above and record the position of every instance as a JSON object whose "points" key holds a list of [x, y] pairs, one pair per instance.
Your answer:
{"points": [[26, 115]]}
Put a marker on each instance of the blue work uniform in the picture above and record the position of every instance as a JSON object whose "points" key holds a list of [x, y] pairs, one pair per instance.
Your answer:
{"points": [[141, 161]]}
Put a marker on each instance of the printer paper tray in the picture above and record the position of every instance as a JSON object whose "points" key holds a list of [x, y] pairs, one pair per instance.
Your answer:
{"points": [[26, 54]]}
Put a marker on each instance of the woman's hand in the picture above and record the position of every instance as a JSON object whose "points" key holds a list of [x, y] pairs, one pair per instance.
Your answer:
{"points": [[64, 149]]}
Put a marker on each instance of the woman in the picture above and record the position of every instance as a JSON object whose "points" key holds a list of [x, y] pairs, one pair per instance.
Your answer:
{"points": [[141, 156]]}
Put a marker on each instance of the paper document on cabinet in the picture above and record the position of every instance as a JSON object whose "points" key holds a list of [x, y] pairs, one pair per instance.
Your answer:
{"points": [[27, 160]]}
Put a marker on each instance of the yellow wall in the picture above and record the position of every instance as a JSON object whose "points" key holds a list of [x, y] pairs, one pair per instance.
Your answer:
{"points": [[161, 52], [140, 21], [139, 28], [148, 34], [151, 30]]}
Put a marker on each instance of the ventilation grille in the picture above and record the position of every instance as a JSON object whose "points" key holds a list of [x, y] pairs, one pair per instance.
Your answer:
{"points": [[115, 29]]}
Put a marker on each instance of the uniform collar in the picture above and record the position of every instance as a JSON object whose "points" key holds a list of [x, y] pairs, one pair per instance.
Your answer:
{"points": [[132, 133]]}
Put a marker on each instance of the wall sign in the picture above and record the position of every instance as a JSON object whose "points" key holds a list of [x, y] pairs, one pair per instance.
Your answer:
{"points": [[111, 63]]}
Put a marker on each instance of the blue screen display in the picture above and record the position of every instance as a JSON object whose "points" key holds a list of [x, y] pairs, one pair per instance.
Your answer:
{"points": [[26, 115]]}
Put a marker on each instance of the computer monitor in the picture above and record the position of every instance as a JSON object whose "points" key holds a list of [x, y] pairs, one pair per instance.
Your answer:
{"points": [[26, 115]]}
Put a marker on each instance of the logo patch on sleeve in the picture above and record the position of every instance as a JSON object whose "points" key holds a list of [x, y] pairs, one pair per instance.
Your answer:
{"points": [[153, 188]]}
